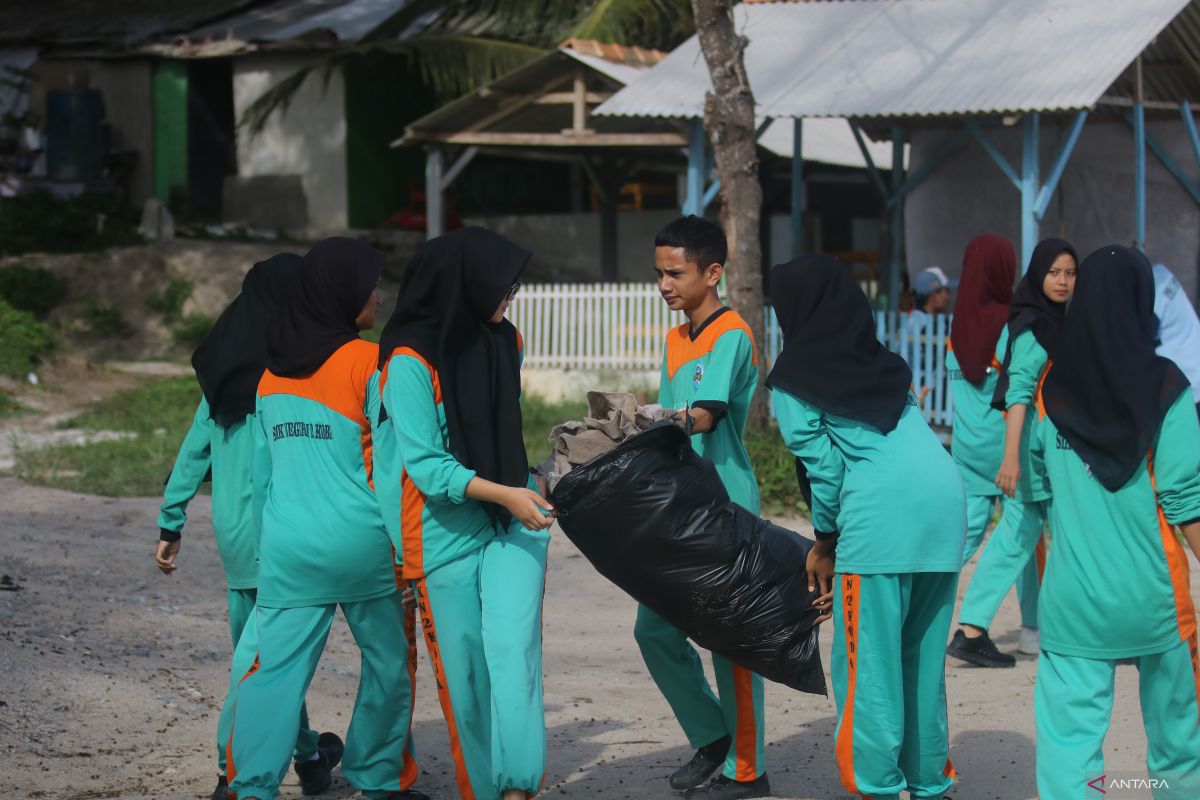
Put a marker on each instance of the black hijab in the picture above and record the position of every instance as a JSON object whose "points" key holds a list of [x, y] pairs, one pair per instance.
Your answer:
{"points": [[1031, 309], [336, 279], [831, 355], [1108, 391], [230, 361], [452, 287]]}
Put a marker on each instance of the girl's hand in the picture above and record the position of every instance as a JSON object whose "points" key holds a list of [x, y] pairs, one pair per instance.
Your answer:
{"points": [[1007, 477], [164, 557], [820, 570], [527, 507], [408, 599], [824, 604]]}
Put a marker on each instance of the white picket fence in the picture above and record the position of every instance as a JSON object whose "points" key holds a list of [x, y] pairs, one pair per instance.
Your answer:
{"points": [[620, 326]]}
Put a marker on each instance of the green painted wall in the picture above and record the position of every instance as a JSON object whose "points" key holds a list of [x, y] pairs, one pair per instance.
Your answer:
{"points": [[170, 98]]}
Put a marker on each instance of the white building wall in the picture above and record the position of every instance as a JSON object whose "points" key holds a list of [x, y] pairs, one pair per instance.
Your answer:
{"points": [[307, 139], [968, 195]]}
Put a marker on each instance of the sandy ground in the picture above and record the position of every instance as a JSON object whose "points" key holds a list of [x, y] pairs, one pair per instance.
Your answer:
{"points": [[113, 676]]}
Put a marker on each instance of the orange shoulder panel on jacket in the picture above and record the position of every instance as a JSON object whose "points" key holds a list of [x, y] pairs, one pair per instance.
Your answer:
{"points": [[681, 348], [433, 373], [340, 384]]}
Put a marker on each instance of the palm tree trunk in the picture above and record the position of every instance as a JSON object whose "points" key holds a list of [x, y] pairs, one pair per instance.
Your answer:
{"points": [[729, 121]]}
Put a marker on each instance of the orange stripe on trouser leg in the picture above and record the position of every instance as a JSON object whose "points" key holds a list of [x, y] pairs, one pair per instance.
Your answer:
{"points": [[949, 770], [1195, 653], [1040, 554], [443, 690], [845, 740], [410, 771], [746, 736], [230, 769]]}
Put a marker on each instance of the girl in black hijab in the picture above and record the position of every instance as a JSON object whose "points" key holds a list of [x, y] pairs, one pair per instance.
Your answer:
{"points": [[220, 444], [1038, 308], [472, 529], [1120, 445], [323, 544], [889, 497]]}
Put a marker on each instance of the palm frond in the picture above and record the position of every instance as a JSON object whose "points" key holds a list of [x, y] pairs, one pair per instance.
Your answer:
{"points": [[451, 65], [649, 23]]}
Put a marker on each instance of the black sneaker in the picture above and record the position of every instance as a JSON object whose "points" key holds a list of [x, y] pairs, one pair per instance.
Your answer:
{"points": [[979, 651], [222, 790], [407, 794], [316, 775], [728, 789], [706, 761]]}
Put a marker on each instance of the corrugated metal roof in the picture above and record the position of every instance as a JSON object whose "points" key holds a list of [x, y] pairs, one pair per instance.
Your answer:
{"points": [[348, 20], [490, 101], [899, 58], [826, 141]]}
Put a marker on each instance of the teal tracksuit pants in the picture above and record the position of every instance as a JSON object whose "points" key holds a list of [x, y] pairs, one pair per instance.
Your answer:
{"points": [[1008, 558], [482, 616], [889, 682], [675, 667], [269, 697], [1073, 706], [245, 646]]}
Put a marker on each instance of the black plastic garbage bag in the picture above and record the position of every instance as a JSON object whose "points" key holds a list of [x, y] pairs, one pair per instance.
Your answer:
{"points": [[654, 518]]}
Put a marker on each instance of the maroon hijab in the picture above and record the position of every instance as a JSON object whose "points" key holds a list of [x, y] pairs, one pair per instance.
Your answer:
{"points": [[981, 309]]}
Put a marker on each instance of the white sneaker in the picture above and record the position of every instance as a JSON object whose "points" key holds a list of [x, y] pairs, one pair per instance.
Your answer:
{"points": [[1029, 641]]}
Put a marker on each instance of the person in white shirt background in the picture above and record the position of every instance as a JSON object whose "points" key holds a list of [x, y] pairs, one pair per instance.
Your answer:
{"points": [[931, 295], [1178, 327]]}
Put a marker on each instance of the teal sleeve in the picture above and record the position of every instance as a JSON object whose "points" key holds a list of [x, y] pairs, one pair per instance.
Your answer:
{"points": [[261, 473], [664, 385], [1037, 448], [191, 465], [804, 434], [1177, 462], [1025, 369], [731, 355], [414, 416]]}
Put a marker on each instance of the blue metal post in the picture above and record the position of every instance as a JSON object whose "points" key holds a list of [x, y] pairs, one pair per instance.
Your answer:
{"points": [[1059, 164], [1030, 185], [1139, 176], [1190, 123], [897, 219], [798, 193], [695, 168]]}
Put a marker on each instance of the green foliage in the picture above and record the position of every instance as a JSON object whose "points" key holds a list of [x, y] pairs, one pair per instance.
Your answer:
{"points": [[101, 319], [40, 222], [31, 289], [170, 302], [7, 404], [23, 341], [775, 469], [156, 415], [168, 403], [191, 330]]}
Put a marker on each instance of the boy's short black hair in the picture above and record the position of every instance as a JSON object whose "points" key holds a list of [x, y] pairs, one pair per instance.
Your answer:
{"points": [[703, 242]]}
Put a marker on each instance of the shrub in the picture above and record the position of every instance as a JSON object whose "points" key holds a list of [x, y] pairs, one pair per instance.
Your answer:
{"points": [[41, 222], [170, 302], [191, 330], [23, 341], [35, 290], [102, 319]]}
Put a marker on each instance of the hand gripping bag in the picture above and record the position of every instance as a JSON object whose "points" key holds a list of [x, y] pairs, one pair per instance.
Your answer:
{"points": [[654, 518]]}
